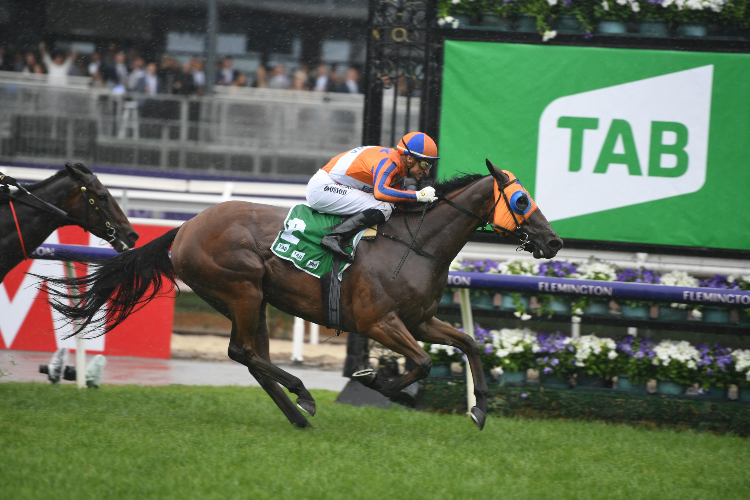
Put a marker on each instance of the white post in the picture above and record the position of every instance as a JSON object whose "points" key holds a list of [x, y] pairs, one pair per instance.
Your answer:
{"points": [[298, 340], [633, 331], [575, 326], [70, 272], [468, 320], [314, 333]]}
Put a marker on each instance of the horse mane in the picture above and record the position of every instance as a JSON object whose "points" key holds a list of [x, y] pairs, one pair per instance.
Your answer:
{"points": [[447, 186], [56, 177]]}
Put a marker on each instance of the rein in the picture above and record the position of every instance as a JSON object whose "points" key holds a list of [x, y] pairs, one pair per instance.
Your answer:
{"points": [[518, 232]]}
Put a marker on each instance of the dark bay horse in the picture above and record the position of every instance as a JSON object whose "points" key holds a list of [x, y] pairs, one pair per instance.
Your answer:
{"points": [[78, 193], [224, 255]]}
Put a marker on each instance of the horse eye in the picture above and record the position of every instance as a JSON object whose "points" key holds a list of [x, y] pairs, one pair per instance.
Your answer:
{"points": [[522, 202]]}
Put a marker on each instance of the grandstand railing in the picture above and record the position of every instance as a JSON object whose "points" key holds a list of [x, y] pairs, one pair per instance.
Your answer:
{"points": [[258, 132]]}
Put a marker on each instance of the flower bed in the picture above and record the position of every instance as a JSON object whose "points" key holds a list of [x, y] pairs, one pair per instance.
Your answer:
{"points": [[600, 271], [639, 359], [588, 15]]}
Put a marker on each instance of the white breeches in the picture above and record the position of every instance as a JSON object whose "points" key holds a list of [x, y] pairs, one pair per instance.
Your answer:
{"points": [[327, 196]]}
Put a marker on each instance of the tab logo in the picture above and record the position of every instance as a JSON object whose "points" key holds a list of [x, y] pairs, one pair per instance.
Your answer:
{"points": [[282, 247], [312, 264], [298, 255], [624, 145]]}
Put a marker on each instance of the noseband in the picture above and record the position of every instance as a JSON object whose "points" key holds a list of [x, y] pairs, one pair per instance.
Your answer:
{"points": [[517, 232]]}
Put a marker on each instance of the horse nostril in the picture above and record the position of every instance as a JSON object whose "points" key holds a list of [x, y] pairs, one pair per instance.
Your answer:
{"points": [[555, 245], [133, 236]]}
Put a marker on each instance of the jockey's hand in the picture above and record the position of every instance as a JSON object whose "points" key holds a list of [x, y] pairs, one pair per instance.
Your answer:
{"points": [[427, 195]]}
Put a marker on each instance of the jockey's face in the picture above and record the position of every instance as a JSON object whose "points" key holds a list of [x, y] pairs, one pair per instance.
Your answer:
{"points": [[415, 170]]}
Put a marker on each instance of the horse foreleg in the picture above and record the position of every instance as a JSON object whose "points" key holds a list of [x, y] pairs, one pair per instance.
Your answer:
{"points": [[435, 331], [391, 333]]}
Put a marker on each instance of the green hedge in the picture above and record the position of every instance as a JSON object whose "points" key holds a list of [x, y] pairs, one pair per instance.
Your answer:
{"points": [[449, 396]]}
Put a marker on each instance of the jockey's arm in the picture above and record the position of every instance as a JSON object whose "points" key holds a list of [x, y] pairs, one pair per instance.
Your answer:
{"points": [[384, 175]]}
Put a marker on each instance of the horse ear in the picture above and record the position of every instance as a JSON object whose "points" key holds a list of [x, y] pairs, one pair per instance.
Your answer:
{"points": [[495, 172], [73, 172]]}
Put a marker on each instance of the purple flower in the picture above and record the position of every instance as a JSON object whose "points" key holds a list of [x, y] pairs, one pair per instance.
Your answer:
{"points": [[557, 269], [588, 35], [639, 355], [639, 275], [555, 362], [488, 349], [719, 281], [523, 394], [547, 370], [709, 371]]}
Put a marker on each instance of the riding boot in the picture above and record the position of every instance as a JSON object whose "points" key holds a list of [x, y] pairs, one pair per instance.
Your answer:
{"points": [[337, 240]]}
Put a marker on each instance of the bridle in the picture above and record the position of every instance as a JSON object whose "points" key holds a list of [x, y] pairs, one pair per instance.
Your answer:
{"points": [[517, 232], [57, 212]]}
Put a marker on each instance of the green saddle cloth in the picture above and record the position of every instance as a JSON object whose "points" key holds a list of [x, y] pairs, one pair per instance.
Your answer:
{"points": [[299, 241]]}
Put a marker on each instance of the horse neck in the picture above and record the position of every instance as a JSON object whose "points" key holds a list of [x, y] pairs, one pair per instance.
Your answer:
{"points": [[37, 225], [452, 228]]}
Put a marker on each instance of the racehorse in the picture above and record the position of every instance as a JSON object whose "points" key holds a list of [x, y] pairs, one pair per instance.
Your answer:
{"points": [[224, 255], [73, 196]]}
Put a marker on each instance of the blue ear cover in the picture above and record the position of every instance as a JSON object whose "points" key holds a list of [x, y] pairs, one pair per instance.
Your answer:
{"points": [[525, 204]]}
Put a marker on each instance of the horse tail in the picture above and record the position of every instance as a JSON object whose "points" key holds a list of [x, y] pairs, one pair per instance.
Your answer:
{"points": [[124, 284]]}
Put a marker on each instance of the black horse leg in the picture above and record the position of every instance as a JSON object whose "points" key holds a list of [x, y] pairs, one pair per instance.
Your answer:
{"points": [[435, 331], [262, 347], [242, 348]]}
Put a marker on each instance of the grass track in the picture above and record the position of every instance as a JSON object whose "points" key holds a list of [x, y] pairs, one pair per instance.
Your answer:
{"points": [[230, 442]]}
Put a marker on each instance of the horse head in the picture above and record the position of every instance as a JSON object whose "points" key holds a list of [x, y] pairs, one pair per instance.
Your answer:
{"points": [[519, 218], [94, 204]]}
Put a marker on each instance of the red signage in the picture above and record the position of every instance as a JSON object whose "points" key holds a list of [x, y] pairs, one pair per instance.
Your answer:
{"points": [[28, 324]]}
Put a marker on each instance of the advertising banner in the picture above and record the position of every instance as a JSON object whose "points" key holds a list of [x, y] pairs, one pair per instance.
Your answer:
{"points": [[638, 146], [28, 324]]}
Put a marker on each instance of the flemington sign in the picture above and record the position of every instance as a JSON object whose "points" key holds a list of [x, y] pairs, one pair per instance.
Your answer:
{"points": [[640, 146], [610, 290]]}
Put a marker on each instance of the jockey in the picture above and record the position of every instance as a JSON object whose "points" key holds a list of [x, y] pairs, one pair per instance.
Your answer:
{"points": [[366, 182]]}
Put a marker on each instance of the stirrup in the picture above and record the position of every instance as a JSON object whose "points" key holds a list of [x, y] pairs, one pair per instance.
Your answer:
{"points": [[336, 249]]}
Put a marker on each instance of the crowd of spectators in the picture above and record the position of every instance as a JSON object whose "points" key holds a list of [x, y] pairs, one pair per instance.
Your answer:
{"points": [[129, 71]]}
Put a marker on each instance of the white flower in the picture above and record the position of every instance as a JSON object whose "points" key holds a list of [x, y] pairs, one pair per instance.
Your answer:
{"points": [[448, 20], [549, 35], [455, 2], [667, 3], [605, 5], [612, 354], [552, 2], [596, 271], [578, 311], [525, 317], [697, 314], [621, 2], [635, 6], [678, 278], [575, 319]]}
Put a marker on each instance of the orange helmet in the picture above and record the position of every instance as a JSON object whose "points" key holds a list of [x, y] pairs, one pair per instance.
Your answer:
{"points": [[420, 145]]}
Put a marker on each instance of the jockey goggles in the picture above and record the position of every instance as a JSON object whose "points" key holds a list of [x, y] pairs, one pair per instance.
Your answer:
{"points": [[423, 163]]}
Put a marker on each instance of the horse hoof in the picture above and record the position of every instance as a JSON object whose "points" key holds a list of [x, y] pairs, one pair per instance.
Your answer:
{"points": [[365, 377], [306, 405], [304, 424], [478, 416]]}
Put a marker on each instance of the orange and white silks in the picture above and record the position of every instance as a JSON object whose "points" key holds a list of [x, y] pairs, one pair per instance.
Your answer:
{"points": [[503, 216]]}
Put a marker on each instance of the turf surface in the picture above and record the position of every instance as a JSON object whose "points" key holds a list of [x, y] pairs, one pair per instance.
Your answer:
{"points": [[230, 442]]}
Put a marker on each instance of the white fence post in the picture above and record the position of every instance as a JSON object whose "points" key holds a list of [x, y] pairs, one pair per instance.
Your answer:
{"points": [[314, 333], [298, 340], [70, 272], [468, 320]]}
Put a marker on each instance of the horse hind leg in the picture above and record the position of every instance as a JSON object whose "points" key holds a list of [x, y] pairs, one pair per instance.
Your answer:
{"points": [[262, 347], [242, 348]]}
